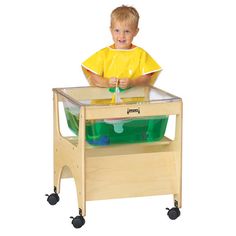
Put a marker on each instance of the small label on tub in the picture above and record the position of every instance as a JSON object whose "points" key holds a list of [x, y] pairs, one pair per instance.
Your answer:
{"points": [[133, 110]]}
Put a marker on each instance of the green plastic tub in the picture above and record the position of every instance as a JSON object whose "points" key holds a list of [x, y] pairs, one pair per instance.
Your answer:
{"points": [[117, 131]]}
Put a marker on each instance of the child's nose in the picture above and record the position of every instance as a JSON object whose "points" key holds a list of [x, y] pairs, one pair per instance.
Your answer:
{"points": [[122, 34]]}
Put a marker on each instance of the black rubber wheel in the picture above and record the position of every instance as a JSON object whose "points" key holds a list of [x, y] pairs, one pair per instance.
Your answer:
{"points": [[53, 198], [173, 213], [78, 221]]}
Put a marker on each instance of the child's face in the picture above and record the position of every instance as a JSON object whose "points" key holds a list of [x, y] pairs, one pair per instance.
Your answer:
{"points": [[123, 34]]}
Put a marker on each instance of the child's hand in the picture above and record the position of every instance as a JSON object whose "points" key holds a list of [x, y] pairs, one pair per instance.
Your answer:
{"points": [[112, 82], [125, 83]]}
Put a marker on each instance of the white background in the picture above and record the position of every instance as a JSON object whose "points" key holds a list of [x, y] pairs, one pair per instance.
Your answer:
{"points": [[42, 44]]}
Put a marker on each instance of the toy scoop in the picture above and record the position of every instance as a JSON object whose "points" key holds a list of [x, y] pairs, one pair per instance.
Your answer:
{"points": [[117, 122], [116, 95]]}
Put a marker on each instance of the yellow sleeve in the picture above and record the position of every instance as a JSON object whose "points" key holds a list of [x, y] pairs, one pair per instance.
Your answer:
{"points": [[149, 65], [95, 64]]}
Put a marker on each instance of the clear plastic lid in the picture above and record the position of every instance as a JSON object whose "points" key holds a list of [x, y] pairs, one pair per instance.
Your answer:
{"points": [[103, 96]]}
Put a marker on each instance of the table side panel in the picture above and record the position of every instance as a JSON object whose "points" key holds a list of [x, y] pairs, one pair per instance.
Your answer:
{"points": [[131, 175]]}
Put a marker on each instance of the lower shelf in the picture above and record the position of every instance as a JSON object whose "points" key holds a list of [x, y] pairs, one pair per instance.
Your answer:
{"points": [[121, 149], [129, 170]]}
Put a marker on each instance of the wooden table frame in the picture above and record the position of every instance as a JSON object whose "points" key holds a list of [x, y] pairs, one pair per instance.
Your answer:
{"points": [[117, 171]]}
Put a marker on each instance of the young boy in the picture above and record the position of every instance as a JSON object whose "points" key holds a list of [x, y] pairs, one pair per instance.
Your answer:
{"points": [[121, 63]]}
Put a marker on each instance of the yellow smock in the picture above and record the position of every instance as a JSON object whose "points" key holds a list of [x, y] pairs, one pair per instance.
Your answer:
{"points": [[121, 63]]}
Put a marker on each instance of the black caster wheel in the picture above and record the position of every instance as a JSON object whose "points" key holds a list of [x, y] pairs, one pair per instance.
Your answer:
{"points": [[53, 198], [78, 221], [173, 213]]}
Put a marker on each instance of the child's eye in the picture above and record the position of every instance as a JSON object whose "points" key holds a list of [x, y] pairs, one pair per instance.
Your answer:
{"points": [[127, 31], [116, 30]]}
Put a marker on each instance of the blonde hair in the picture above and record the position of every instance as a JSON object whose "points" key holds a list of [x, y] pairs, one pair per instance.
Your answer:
{"points": [[125, 13]]}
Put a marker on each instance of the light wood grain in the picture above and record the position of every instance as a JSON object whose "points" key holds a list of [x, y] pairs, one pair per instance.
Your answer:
{"points": [[117, 171]]}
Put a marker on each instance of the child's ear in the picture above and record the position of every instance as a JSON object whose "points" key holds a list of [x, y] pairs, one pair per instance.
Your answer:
{"points": [[137, 30]]}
